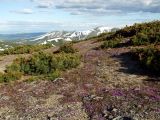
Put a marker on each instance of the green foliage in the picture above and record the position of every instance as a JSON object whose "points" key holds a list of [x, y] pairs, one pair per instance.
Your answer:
{"points": [[53, 76], [140, 34], [148, 57], [111, 44], [32, 78], [44, 65], [50, 76], [49, 65], [140, 39], [13, 67], [10, 76], [25, 49], [67, 61], [67, 48]]}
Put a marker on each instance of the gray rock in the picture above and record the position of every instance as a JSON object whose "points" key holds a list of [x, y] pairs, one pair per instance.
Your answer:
{"points": [[58, 79], [114, 110], [123, 118]]}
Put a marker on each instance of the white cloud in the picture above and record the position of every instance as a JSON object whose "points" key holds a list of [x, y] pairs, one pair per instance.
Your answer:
{"points": [[44, 3], [40, 26], [27, 26], [148, 2], [23, 11], [102, 6]]}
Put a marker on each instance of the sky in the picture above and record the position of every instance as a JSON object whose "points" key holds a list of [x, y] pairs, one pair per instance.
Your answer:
{"points": [[26, 16]]}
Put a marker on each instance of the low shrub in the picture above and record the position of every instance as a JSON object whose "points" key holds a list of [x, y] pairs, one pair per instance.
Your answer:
{"points": [[148, 57], [25, 49], [10, 76], [49, 65], [53, 76], [66, 61], [139, 34], [67, 48], [111, 44], [32, 78]]}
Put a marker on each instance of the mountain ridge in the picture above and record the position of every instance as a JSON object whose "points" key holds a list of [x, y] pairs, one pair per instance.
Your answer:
{"points": [[70, 35], [54, 37]]}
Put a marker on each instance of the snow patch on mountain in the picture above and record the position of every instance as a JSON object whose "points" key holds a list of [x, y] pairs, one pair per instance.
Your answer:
{"points": [[56, 36]]}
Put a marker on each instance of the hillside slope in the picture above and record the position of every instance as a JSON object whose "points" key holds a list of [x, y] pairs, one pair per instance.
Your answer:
{"points": [[108, 85], [101, 88]]}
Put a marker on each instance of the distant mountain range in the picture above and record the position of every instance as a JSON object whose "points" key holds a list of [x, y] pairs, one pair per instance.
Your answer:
{"points": [[57, 36]]}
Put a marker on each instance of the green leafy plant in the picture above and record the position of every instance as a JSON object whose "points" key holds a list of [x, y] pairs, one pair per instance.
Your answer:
{"points": [[111, 44], [139, 34], [67, 48], [48, 65], [25, 49], [148, 57], [10, 76]]}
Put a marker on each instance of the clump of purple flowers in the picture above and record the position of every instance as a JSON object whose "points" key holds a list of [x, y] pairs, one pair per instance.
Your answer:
{"points": [[117, 92]]}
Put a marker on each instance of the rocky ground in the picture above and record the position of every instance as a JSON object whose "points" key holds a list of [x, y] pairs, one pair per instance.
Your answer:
{"points": [[108, 85]]}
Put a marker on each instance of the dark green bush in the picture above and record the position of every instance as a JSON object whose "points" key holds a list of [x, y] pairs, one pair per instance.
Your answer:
{"points": [[50, 76], [148, 57], [10, 76], [32, 78], [25, 49], [140, 34], [140, 39], [111, 44], [53, 76], [67, 48], [47, 64]]}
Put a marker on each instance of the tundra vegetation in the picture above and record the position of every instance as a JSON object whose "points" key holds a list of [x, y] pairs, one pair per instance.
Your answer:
{"points": [[144, 37], [25, 49], [47, 65]]}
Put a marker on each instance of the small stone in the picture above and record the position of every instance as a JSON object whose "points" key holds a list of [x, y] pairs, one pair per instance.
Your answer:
{"points": [[89, 85], [106, 115], [135, 118], [110, 117], [146, 113], [98, 98], [132, 112], [8, 117], [114, 110], [146, 97], [98, 63], [122, 118], [105, 111], [93, 96], [58, 79], [118, 118], [137, 89], [139, 106]]}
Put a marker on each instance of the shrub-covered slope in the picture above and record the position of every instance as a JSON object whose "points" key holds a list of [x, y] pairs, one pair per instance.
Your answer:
{"points": [[48, 65], [141, 35], [23, 49]]}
